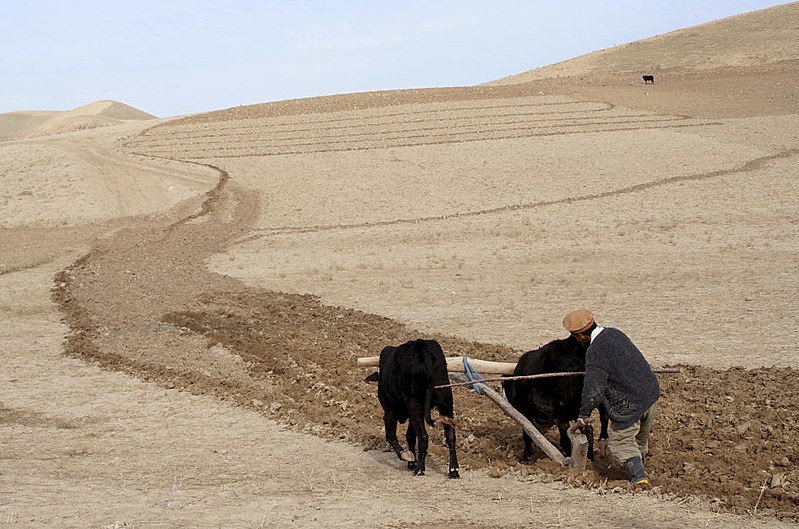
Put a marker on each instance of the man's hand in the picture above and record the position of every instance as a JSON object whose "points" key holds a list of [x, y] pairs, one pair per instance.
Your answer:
{"points": [[581, 425]]}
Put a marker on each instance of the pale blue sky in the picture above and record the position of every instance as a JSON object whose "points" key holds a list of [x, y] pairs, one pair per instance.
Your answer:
{"points": [[173, 57]]}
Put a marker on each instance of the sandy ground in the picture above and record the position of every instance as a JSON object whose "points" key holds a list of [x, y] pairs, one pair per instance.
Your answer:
{"points": [[212, 281]]}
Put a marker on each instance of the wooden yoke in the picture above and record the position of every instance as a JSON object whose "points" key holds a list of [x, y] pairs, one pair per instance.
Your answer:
{"points": [[455, 365]]}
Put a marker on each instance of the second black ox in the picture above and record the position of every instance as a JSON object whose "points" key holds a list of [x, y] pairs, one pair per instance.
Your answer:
{"points": [[552, 401], [405, 389]]}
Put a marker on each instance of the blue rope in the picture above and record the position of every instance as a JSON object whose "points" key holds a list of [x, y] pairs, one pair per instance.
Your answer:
{"points": [[472, 375]]}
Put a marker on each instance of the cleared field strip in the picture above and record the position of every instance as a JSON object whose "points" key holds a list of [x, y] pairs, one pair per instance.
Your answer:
{"points": [[749, 166], [364, 130]]}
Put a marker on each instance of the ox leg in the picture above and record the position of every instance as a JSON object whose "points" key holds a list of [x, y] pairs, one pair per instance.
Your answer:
{"points": [[390, 421], [602, 443], [528, 441], [588, 431], [449, 435], [410, 438], [417, 422], [565, 442], [528, 448], [603, 422]]}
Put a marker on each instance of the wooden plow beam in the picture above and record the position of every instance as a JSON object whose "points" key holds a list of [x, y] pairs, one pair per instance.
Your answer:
{"points": [[579, 440]]}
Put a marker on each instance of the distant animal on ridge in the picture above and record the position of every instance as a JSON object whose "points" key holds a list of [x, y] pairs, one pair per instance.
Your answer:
{"points": [[649, 78], [405, 390]]}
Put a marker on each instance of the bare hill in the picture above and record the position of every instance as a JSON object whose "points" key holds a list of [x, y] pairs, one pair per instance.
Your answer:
{"points": [[741, 66], [29, 124], [752, 39]]}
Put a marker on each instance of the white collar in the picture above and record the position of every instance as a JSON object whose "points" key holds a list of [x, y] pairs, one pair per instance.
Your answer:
{"points": [[596, 332]]}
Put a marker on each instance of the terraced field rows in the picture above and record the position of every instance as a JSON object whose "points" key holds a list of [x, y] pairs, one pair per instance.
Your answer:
{"points": [[398, 126]]}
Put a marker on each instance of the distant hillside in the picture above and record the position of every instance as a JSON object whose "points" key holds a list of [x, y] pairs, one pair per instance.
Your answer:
{"points": [[751, 39], [29, 124]]}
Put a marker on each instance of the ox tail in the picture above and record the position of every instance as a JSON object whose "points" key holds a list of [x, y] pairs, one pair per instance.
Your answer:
{"points": [[448, 420], [428, 404]]}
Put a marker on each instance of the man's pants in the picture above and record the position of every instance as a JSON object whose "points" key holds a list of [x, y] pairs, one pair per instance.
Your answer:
{"points": [[632, 441]]}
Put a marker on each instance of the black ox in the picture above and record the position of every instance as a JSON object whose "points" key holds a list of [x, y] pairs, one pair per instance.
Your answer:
{"points": [[556, 400], [405, 389], [649, 79]]}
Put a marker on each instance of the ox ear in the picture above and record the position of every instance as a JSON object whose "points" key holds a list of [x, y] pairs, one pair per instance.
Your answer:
{"points": [[374, 377]]}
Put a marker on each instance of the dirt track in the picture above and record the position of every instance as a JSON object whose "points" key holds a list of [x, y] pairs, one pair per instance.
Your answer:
{"points": [[261, 294]]}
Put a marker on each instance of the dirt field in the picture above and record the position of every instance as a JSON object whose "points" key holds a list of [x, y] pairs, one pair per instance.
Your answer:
{"points": [[213, 279]]}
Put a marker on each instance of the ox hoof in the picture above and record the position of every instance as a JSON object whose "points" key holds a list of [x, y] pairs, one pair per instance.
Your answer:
{"points": [[418, 472], [453, 474], [407, 455]]}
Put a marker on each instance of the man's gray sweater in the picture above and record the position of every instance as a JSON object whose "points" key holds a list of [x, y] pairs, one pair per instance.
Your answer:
{"points": [[617, 372]]}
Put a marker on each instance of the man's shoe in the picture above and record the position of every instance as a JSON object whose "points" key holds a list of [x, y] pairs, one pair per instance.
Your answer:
{"points": [[635, 468]]}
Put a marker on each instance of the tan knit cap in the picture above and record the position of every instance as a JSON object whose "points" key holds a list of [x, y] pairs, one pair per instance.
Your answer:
{"points": [[579, 320]]}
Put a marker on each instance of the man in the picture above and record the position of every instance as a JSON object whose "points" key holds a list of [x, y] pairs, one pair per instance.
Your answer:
{"points": [[617, 373]]}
